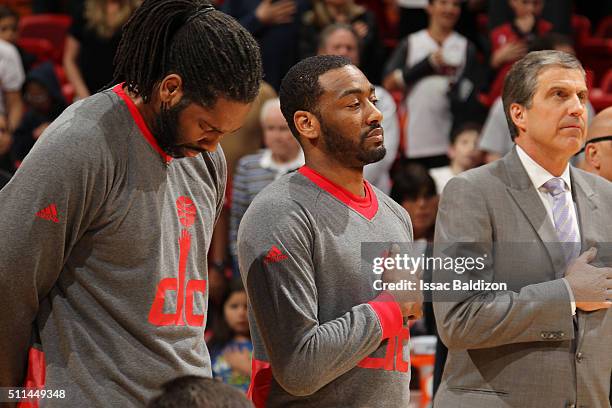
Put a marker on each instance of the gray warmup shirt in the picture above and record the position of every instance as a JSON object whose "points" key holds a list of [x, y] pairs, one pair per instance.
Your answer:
{"points": [[322, 335], [104, 242]]}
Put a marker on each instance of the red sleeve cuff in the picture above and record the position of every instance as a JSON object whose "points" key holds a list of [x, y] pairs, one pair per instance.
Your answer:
{"points": [[389, 314]]}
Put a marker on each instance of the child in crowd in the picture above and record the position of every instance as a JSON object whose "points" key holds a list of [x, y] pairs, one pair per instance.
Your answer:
{"points": [[415, 190], [44, 103], [230, 346], [510, 41], [9, 22], [463, 154]]}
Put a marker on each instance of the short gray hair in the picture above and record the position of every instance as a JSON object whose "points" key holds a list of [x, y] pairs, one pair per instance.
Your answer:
{"points": [[522, 80], [267, 107]]}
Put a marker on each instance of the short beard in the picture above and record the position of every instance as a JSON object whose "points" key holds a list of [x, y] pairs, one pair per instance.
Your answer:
{"points": [[166, 127], [346, 151]]}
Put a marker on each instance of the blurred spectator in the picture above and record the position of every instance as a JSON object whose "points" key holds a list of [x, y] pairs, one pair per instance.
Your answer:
{"points": [[230, 346], [92, 42], [510, 41], [9, 20], [495, 140], [558, 12], [249, 138], [463, 153], [44, 103], [199, 392], [246, 140], [275, 24], [598, 148], [281, 155], [326, 12], [415, 190], [11, 81], [426, 65], [468, 23], [387, 20], [6, 164], [341, 39]]}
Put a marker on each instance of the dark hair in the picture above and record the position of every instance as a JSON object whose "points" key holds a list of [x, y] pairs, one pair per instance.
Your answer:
{"points": [[411, 181], [221, 332], [521, 82], [6, 11], [550, 41], [213, 54], [465, 127], [191, 391], [300, 88]]}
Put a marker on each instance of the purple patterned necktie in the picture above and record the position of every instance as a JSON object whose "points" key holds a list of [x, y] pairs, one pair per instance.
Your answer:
{"points": [[566, 228]]}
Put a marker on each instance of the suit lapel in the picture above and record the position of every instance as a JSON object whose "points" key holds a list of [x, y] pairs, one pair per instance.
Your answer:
{"points": [[588, 221], [585, 199], [527, 198]]}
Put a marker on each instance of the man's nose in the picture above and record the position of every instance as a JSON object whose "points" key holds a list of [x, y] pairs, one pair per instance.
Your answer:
{"points": [[375, 115], [577, 106]]}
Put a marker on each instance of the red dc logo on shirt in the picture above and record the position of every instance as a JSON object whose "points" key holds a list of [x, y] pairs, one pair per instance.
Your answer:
{"points": [[185, 291], [394, 356]]}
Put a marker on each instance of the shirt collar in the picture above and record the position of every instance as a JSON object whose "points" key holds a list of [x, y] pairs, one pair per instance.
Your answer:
{"points": [[538, 174], [267, 162]]}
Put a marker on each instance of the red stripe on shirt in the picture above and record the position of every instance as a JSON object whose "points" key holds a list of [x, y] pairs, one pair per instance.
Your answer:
{"points": [[261, 378], [144, 129], [389, 314], [35, 377], [366, 206]]}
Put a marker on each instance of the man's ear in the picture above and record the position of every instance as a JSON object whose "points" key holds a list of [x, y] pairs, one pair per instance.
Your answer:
{"points": [[307, 125], [171, 89], [518, 116], [591, 156]]}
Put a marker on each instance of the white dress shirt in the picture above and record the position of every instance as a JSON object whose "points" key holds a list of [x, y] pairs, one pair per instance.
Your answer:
{"points": [[538, 176]]}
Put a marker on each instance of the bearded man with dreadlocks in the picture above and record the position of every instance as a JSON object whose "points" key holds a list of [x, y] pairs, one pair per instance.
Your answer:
{"points": [[106, 226]]}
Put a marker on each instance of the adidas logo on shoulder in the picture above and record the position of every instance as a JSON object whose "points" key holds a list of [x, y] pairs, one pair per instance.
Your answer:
{"points": [[274, 255]]}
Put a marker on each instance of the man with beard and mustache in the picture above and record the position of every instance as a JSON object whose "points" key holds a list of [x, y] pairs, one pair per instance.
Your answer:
{"points": [[106, 225], [341, 339]]}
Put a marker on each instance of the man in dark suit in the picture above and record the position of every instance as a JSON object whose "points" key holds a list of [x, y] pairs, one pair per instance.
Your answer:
{"points": [[546, 340]]}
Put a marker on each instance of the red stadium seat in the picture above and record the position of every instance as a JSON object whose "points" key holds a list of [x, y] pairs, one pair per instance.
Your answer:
{"points": [[52, 27], [601, 98], [606, 83], [604, 29], [482, 20], [39, 47], [581, 27], [596, 54]]}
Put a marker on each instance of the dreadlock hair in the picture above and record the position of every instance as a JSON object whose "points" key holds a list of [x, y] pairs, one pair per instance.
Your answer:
{"points": [[213, 54], [300, 88]]}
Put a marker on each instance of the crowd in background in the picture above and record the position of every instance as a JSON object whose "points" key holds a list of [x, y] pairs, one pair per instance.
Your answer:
{"points": [[438, 67]]}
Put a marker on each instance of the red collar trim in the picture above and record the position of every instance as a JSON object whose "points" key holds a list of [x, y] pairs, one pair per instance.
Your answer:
{"points": [[144, 129], [366, 206]]}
